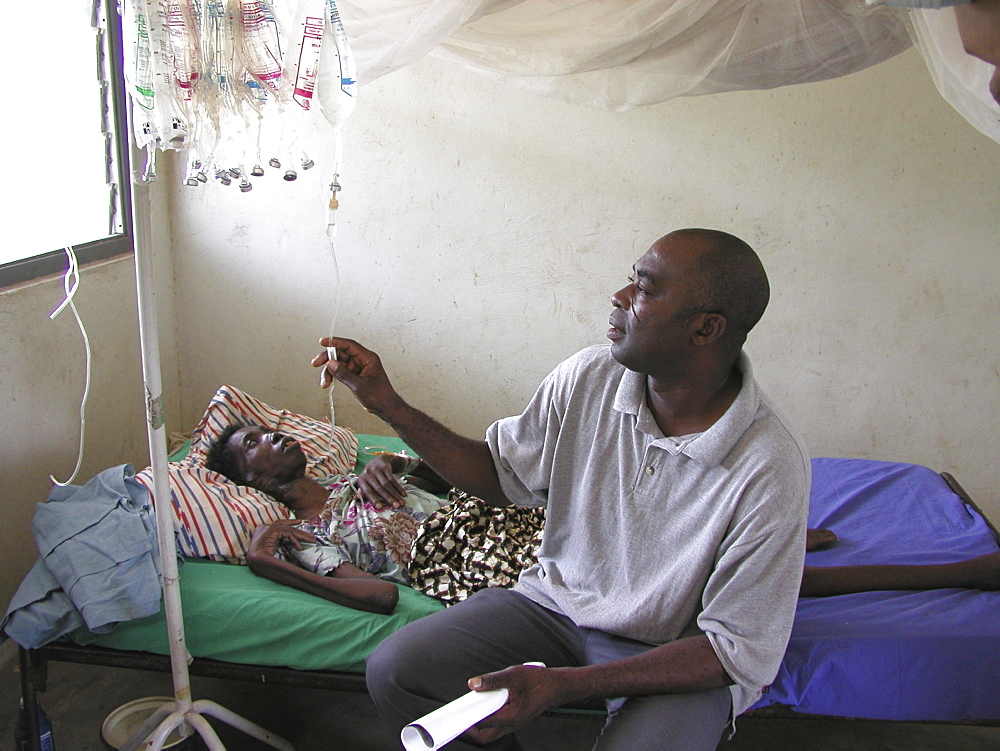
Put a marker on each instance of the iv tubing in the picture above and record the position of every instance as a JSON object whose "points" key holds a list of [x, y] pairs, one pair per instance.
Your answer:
{"points": [[71, 280], [340, 108], [335, 275]]}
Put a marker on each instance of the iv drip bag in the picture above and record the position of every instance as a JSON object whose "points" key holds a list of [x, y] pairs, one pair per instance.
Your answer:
{"points": [[217, 77], [337, 85], [302, 62], [257, 42], [182, 21]]}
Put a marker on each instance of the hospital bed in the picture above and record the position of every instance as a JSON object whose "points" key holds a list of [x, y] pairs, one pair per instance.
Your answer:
{"points": [[919, 656]]}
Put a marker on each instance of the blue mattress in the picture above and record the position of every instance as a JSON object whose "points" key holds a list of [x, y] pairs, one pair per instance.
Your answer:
{"points": [[928, 655]]}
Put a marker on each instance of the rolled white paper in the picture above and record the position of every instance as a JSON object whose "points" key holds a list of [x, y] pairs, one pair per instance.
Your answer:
{"points": [[446, 723]]}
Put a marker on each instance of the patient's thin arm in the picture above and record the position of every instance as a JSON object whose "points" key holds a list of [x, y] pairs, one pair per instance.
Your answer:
{"points": [[423, 476], [347, 584], [364, 592], [975, 573]]}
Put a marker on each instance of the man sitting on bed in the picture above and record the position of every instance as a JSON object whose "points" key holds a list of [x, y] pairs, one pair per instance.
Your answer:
{"points": [[675, 502], [350, 539]]}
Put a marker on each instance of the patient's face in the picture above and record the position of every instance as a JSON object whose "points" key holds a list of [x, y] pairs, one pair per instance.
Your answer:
{"points": [[268, 454]]}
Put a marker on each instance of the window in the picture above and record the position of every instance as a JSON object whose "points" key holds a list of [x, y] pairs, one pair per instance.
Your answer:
{"points": [[65, 161]]}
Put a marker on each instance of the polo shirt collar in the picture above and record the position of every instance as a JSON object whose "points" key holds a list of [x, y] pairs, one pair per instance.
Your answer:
{"points": [[709, 447]]}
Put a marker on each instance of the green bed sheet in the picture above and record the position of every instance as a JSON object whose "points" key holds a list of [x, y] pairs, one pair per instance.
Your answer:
{"points": [[232, 615]]}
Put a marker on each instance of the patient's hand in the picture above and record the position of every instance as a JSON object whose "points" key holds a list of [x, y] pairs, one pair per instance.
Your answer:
{"points": [[379, 486], [265, 540]]}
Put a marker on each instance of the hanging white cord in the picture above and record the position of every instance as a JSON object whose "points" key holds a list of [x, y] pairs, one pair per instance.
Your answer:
{"points": [[71, 281]]}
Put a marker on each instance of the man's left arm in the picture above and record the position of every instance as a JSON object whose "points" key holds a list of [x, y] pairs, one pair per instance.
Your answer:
{"points": [[750, 598]]}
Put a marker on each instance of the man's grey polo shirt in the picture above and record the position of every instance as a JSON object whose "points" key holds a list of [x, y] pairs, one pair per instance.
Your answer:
{"points": [[651, 537]]}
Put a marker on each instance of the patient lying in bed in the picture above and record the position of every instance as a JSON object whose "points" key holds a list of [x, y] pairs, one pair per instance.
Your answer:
{"points": [[349, 543], [352, 535]]}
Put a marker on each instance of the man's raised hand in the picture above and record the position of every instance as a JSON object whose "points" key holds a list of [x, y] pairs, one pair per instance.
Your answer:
{"points": [[360, 370]]}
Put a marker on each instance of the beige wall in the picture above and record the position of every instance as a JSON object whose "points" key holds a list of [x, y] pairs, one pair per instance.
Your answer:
{"points": [[483, 230]]}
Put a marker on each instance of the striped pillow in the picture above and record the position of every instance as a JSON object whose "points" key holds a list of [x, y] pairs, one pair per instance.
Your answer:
{"points": [[215, 518]]}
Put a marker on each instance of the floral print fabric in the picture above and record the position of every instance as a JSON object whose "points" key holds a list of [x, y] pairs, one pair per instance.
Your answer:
{"points": [[350, 530]]}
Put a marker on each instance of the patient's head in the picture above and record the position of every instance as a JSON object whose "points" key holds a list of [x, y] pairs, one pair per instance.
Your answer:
{"points": [[255, 456]]}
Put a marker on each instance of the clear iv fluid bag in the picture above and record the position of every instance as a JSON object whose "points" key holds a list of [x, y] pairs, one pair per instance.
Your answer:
{"points": [[338, 85], [259, 43], [216, 54], [182, 21], [302, 63], [148, 66], [215, 78], [348, 74], [140, 74]]}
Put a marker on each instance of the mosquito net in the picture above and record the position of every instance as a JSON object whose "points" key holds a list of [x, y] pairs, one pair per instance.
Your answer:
{"points": [[619, 54]]}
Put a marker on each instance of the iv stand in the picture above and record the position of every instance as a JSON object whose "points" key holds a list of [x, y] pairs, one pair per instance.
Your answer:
{"points": [[182, 710]]}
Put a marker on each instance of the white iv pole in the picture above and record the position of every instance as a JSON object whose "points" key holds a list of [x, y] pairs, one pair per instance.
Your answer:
{"points": [[182, 710]]}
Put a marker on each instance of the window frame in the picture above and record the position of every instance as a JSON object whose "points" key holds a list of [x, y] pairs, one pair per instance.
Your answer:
{"points": [[54, 262]]}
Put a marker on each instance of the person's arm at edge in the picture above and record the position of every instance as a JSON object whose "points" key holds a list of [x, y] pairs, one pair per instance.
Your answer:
{"points": [[463, 462], [347, 585], [979, 29], [685, 665]]}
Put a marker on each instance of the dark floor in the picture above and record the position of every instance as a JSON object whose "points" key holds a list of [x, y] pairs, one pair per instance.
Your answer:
{"points": [[80, 697]]}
